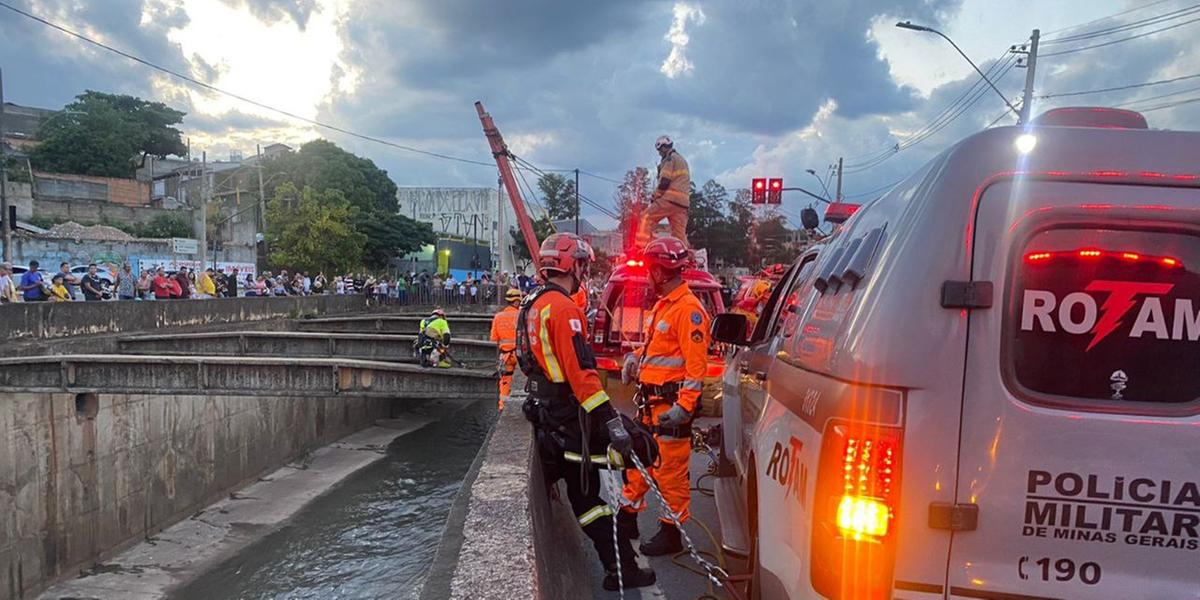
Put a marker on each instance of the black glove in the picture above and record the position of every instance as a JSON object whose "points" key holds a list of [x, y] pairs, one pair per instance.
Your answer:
{"points": [[618, 437]]}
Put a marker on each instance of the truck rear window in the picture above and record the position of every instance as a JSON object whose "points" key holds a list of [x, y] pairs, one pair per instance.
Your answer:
{"points": [[1107, 315]]}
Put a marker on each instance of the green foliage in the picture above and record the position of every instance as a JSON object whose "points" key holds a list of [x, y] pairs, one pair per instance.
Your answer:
{"points": [[159, 227], [542, 228], [101, 134], [558, 196], [323, 166], [313, 231]]}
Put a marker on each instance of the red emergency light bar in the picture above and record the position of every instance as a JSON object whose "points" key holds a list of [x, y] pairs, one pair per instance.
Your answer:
{"points": [[840, 212], [1092, 116], [635, 263], [1093, 253]]}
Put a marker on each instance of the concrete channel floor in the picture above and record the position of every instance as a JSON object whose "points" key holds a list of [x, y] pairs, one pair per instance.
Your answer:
{"points": [[675, 582], [150, 569]]}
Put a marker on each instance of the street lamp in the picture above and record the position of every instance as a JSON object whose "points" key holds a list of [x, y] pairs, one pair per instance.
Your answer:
{"points": [[915, 27], [819, 180]]}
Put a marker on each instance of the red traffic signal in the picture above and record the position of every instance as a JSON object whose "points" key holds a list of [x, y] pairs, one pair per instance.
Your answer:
{"points": [[758, 190], [775, 191]]}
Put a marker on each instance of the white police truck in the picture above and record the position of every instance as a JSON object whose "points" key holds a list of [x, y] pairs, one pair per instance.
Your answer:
{"points": [[986, 384]]}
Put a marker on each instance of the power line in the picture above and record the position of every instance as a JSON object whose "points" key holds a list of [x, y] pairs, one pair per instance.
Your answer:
{"points": [[1157, 97], [878, 156], [1162, 18], [1112, 16], [880, 188], [1169, 105], [584, 199], [1118, 41], [1121, 87], [938, 124], [600, 177], [218, 90]]}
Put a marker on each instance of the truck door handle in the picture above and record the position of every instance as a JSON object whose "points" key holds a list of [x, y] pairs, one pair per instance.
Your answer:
{"points": [[953, 517]]}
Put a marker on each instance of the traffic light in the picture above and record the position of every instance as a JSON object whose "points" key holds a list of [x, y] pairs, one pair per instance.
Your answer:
{"points": [[774, 191], [758, 191]]}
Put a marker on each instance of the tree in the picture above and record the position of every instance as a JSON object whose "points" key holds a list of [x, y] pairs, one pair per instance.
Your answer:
{"points": [[101, 134], [706, 218], [542, 228], [313, 231], [775, 240], [630, 197], [323, 166], [558, 196]]}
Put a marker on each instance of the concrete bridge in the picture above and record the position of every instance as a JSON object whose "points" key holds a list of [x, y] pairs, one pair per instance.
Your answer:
{"points": [[461, 326], [361, 346]]}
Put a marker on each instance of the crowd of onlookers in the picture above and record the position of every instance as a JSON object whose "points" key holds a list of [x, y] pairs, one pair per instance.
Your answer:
{"points": [[35, 285]]}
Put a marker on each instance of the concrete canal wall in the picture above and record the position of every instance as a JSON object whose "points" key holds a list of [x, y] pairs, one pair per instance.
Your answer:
{"points": [[35, 327], [83, 476]]}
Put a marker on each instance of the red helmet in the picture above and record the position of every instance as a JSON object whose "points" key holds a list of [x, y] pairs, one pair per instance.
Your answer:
{"points": [[562, 252], [667, 252]]}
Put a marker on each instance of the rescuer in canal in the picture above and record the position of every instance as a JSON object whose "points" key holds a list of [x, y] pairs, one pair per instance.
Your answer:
{"points": [[670, 198], [504, 333], [574, 422], [669, 370], [433, 340]]}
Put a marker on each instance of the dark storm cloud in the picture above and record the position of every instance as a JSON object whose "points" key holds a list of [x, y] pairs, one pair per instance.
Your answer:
{"points": [[48, 68], [273, 11]]}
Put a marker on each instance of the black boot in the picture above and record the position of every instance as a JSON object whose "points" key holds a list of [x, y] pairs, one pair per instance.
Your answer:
{"points": [[666, 541], [627, 524], [632, 576]]}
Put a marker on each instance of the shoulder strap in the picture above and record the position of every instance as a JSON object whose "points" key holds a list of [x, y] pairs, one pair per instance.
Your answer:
{"points": [[525, 359]]}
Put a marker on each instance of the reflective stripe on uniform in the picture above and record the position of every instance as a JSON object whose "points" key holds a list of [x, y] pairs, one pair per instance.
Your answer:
{"points": [[553, 371], [595, 400], [613, 459], [503, 341], [663, 361], [603, 510], [692, 384]]}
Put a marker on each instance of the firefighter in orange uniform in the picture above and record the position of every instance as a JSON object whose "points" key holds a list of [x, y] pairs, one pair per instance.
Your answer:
{"points": [[574, 422], [670, 371], [504, 333], [671, 197]]}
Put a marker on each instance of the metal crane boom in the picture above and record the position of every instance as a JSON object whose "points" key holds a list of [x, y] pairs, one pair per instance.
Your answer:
{"points": [[502, 155]]}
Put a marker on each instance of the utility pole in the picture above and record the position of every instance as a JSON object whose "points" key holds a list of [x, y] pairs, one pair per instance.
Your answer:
{"points": [[839, 185], [262, 204], [576, 201], [1030, 74], [203, 207], [7, 225]]}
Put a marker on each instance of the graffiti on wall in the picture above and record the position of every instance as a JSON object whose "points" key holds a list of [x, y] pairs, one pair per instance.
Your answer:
{"points": [[465, 212]]}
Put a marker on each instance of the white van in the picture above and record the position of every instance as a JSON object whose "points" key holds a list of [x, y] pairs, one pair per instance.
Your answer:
{"points": [[986, 384]]}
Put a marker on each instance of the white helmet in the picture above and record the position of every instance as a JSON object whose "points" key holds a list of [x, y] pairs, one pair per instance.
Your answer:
{"points": [[663, 142]]}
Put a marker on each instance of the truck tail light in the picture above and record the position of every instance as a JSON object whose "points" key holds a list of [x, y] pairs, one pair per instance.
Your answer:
{"points": [[853, 545], [599, 329]]}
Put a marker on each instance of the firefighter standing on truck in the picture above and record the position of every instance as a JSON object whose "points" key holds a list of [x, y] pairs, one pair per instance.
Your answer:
{"points": [[504, 333], [669, 370], [574, 421], [672, 196]]}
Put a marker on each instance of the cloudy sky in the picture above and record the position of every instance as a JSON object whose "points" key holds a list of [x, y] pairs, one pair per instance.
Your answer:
{"points": [[747, 88]]}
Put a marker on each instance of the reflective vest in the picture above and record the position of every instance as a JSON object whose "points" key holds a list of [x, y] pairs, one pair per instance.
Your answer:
{"points": [[504, 329], [677, 344], [435, 328], [552, 342]]}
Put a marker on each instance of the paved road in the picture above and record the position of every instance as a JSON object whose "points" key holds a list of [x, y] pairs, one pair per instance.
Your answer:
{"points": [[675, 582]]}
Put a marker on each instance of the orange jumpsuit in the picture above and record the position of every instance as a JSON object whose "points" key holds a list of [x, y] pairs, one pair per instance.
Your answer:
{"points": [[504, 333], [676, 352]]}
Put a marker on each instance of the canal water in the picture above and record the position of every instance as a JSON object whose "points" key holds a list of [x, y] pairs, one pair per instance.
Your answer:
{"points": [[372, 536]]}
